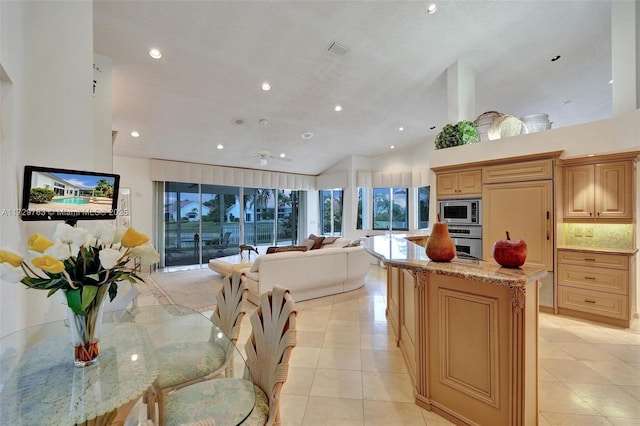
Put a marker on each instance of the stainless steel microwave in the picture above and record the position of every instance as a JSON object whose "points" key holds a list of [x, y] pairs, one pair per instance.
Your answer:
{"points": [[461, 212]]}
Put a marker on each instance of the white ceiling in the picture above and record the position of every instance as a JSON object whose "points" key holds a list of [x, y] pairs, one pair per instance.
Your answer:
{"points": [[216, 55]]}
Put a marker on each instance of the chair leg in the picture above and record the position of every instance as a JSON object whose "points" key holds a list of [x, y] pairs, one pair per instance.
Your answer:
{"points": [[150, 399]]}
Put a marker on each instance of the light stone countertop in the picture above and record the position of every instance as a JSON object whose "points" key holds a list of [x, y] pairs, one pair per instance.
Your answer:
{"points": [[396, 250]]}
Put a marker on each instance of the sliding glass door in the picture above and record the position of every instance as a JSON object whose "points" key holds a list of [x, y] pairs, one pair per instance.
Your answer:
{"points": [[202, 222]]}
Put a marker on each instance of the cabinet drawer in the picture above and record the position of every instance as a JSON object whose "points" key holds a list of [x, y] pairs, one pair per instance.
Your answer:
{"points": [[617, 261], [594, 302], [600, 279]]}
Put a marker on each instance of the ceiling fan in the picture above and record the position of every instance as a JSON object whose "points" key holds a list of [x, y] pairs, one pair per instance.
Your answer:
{"points": [[264, 154]]}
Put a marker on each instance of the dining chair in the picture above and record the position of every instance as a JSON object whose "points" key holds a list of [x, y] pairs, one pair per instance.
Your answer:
{"points": [[186, 363], [268, 350]]}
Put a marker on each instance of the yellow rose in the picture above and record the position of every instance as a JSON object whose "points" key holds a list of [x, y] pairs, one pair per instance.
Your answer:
{"points": [[48, 264], [10, 258], [133, 238], [39, 243]]}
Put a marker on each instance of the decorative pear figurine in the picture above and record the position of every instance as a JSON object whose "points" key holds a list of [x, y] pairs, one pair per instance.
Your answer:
{"points": [[440, 246]]}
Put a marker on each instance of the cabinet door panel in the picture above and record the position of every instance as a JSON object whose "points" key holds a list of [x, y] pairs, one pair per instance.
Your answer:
{"points": [[524, 209], [447, 184], [578, 192], [470, 182], [613, 190]]}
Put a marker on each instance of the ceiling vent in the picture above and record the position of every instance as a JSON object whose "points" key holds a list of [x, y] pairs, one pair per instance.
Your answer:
{"points": [[338, 50]]}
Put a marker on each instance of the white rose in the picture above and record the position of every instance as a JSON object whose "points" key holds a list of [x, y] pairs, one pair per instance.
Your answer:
{"points": [[68, 234], [59, 251], [147, 254], [109, 258], [118, 233], [105, 233], [12, 274]]}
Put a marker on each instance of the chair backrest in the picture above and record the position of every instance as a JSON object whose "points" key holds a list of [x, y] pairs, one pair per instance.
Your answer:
{"points": [[230, 306], [225, 238], [268, 349]]}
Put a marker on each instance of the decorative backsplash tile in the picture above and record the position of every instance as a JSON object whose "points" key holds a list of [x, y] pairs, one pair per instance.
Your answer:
{"points": [[599, 235]]}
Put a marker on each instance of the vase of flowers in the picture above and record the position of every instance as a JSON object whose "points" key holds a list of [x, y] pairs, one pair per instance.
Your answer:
{"points": [[86, 267]]}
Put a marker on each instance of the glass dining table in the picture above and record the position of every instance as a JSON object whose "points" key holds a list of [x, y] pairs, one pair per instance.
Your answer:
{"points": [[39, 383]]}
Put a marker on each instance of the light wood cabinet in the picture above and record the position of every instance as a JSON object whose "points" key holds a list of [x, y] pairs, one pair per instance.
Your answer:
{"points": [[599, 192], [401, 313], [464, 183], [525, 210], [597, 286], [518, 171]]}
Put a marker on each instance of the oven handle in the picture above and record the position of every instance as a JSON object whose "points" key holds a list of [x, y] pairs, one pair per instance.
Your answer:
{"points": [[467, 256]]}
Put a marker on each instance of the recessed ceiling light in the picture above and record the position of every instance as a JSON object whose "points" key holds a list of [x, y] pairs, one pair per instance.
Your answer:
{"points": [[282, 155], [266, 86], [433, 8], [610, 81], [555, 58], [135, 134], [220, 146], [401, 129], [338, 108], [307, 135], [590, 155], [392, 147], [155, 54]]}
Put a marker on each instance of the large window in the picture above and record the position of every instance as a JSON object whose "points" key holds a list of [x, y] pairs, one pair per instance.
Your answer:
{"points": [[423, 207], [201, 222], [390, 209], [331, 211]]}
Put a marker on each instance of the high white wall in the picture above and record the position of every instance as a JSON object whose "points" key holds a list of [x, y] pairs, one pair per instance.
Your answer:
{"points": [[135, 174], [48, 120]]}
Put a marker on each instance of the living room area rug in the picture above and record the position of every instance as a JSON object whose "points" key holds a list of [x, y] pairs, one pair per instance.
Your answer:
{"points": [[195, 289]]}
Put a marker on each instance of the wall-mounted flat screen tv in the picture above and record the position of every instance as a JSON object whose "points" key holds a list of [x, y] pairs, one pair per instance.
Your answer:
{"points": [[70, 195]]}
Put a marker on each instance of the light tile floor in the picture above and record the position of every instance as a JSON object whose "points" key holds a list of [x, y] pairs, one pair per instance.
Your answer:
{"points": [[346, 369]]}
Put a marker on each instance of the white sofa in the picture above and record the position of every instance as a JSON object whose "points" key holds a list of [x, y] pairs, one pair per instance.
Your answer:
{"points": [[309, 274]]}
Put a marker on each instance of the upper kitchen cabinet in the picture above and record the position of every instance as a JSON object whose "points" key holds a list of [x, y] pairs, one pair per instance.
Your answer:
{"points": [[463, 183], [599, 190]]}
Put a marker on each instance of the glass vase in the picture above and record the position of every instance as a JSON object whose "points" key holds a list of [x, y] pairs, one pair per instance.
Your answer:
{"points": [[86, 329]]}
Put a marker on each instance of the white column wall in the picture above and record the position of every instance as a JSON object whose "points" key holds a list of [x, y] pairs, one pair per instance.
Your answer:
{"points": [[135, 175], [624, 63], [47, 116]]}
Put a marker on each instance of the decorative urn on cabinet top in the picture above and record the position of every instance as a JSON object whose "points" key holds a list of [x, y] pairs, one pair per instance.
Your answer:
{"points": [[440, 247], [510, 253]]}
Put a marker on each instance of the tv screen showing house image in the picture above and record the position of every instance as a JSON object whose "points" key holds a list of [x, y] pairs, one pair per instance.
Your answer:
{"points": [[68, 194]]}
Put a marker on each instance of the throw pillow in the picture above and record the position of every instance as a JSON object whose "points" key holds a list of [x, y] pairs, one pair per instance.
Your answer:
{"points": [[290, 248], [329, 240], [354, 243], [308, 242], [318, 241]]}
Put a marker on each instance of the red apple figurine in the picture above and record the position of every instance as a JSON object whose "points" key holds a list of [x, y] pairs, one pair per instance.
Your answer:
{"points": [[510, 253]]}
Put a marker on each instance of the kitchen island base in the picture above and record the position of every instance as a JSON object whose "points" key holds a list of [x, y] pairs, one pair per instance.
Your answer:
{"points": [[476, 352], [468, 331]]}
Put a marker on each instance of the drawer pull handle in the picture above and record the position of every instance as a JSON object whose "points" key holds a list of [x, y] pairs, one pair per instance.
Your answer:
{"points": [[589, 301], [589, 278], [590, 259]]}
